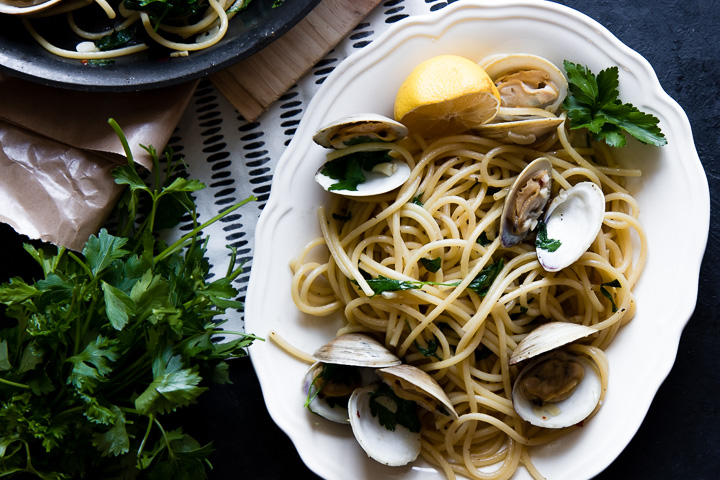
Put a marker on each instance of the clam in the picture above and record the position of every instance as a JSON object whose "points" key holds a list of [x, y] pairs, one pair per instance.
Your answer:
{"points": [[328, 388], [354, 169], [525, 202], [344, 364], [556, 389], [526, 80], [405, 388], [574, 218], [531, 90], [355, 378]]}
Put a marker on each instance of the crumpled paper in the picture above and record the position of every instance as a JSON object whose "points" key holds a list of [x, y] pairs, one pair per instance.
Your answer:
{"points": [[57, 152]]}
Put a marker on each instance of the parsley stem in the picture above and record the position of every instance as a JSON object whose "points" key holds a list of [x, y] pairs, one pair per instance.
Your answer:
{"points": [[14, 384], [167, 442], [242, 334], [151, 419], [123, 140], [81, 263], [190, 235], [86, 324]]}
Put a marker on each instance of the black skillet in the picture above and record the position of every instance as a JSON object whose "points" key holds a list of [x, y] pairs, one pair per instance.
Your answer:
{"points": [[248, 32]]}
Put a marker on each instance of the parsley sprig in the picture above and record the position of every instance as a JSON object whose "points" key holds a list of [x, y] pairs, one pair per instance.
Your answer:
{"points": [[542, 240], [606, 293], [404, 412], [593, 103], [349, 170], [95, 354], [480, 284]]}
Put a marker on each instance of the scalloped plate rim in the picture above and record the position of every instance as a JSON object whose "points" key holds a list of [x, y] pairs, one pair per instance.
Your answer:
{"points": [[281, 207]]}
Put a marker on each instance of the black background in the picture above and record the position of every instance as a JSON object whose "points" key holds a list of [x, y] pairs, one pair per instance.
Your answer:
{"points": [[679, 438]]}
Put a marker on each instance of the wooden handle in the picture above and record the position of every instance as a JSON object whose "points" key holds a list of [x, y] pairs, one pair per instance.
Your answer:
{"points": [[252, 84]]}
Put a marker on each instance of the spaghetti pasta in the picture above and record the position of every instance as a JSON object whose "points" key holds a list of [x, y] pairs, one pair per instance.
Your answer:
{"points": [[449, 209]]}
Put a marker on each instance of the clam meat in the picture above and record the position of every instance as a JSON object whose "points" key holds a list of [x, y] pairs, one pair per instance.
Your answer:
{"points": [[525, 202], [526, 80]]}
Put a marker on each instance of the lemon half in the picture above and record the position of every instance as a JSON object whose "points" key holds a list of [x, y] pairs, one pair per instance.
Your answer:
{"points": [[445, 95]]}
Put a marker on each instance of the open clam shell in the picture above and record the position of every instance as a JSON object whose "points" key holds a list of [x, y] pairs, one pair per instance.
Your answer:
{"points": [[329, 394], [357, 169], [361, 128], [390, 447], [357, 350], [531, 90], [353, 358], [525, 202], [411, 383], [570, 385], [574, 217], [565, 412]]}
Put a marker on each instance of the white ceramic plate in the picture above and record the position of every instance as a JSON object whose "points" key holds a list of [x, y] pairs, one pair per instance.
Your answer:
{"points": [[673, 186]]}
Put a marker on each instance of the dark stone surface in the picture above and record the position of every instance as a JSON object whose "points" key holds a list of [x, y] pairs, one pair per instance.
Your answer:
{"points": [[680, 435]]}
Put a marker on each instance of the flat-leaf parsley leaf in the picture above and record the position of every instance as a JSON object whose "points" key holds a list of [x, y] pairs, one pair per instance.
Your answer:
{"points": [[593, 103]]}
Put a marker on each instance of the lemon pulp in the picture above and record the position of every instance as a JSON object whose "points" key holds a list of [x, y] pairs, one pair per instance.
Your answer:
{"points": [[445, 95]]}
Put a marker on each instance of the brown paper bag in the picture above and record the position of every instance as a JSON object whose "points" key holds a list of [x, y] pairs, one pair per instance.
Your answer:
{"points": [[57, 152]]}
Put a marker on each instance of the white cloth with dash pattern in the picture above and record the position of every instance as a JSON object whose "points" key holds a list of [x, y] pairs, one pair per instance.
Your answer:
{"points": [[236, 159]]}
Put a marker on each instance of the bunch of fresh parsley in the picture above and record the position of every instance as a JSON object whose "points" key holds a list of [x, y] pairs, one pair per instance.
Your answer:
{"points": [[95, 354], [593, 103]]}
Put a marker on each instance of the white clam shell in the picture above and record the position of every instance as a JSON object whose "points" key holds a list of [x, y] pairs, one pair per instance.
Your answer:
{"points": [[358, 350], [574, 218], [411, 383], [23, 8], [375, 184], [521, 131], [393, 448], [509, 235], [377, 128], [564, 413], [548, 337]]}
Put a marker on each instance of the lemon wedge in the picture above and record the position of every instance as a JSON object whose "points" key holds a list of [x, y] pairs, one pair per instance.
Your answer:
{"points": [[445, 95]]}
